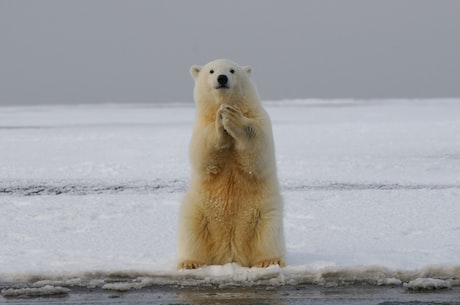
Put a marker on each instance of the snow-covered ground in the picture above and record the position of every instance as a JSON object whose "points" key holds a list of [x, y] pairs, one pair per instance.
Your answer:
{"points": [[89, 195]]}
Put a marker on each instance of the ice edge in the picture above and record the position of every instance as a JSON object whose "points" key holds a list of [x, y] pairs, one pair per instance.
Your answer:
{"points": [[232, 275]]}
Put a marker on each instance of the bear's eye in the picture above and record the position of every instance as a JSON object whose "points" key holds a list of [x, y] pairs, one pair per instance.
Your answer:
{"points": [[232, 71], [211, 71]]}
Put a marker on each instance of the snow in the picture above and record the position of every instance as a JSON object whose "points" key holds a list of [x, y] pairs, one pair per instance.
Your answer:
{"points": [[47, 290], [89, 195], [422, 284]]}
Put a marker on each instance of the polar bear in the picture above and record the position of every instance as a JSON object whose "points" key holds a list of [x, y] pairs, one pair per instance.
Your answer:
{"points": [[232, 211]]}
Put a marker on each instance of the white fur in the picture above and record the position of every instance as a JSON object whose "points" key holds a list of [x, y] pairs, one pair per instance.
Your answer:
{"points": [[232, 211]]}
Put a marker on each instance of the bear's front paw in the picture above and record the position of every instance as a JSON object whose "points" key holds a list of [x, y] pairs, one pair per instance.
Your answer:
{"points": [[231, 119], [268, 262], [190, 265]]}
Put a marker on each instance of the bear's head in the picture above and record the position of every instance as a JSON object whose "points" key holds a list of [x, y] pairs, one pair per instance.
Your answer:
{"points": [[223, 82]]}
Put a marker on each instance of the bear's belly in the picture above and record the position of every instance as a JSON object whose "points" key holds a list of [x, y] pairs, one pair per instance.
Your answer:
{"points": [[232, 205]]}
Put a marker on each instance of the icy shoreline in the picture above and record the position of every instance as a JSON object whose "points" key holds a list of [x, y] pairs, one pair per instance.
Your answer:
{"points": [[232, 275]]}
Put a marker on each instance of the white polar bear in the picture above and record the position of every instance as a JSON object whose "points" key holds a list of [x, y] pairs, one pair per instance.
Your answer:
{"points": [[232, 211]]}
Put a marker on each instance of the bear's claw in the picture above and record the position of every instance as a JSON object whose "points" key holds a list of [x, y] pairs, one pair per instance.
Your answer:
{"points": [[268, 262], [190, 265]]}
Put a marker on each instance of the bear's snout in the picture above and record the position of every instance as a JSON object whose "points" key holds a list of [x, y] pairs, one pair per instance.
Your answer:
{"points": [[222, 80]]}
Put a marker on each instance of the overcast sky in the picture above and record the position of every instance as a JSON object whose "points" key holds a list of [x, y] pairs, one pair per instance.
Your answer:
{"points": [[139, 51]]}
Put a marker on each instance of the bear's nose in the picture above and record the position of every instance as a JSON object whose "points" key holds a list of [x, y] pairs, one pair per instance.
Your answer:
{"points": [[222, 79]]}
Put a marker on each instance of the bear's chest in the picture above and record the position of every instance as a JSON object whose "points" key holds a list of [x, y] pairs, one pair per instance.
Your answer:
{"points": [[231, 192]]}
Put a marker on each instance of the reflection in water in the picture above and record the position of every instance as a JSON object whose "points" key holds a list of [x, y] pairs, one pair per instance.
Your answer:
{"points": [[233, 296]]}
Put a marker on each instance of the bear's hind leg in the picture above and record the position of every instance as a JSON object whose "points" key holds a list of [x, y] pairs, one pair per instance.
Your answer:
{"points": [[268, 240], [194, 245]]}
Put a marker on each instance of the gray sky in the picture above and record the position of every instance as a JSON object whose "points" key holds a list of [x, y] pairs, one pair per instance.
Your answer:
{"points": [[99, 51]]}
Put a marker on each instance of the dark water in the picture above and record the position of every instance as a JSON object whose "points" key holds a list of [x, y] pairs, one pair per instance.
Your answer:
{"points": [[280, 295]]}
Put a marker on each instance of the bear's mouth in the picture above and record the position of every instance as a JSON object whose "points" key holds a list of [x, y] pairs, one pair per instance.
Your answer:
{"points": [[222, 87]]}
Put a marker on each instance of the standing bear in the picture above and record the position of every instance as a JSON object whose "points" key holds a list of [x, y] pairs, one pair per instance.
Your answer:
{"points": [[233, 211]]}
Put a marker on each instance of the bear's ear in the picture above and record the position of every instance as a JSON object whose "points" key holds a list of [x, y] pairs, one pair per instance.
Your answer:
{"points": [[248, 70], [195, 70]]}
